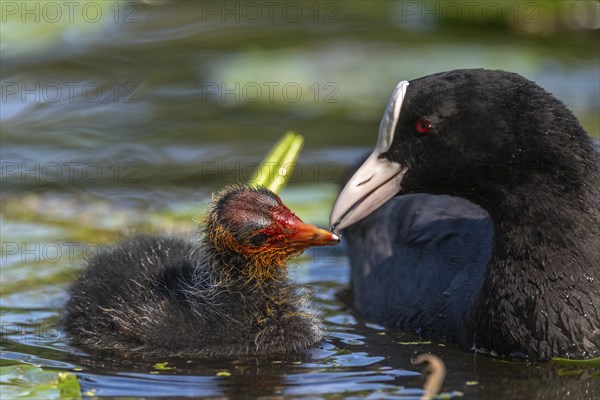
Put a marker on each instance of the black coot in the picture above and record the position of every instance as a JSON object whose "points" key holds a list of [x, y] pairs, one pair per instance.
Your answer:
{"points": [[521, 278], [227, 296]]}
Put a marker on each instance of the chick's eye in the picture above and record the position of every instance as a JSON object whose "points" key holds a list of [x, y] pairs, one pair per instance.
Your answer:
{"points": [[423, 125], [258, 240]]}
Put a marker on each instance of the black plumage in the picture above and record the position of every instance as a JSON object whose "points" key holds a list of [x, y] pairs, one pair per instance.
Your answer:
{"points": [[229, 295], [521, 278]]}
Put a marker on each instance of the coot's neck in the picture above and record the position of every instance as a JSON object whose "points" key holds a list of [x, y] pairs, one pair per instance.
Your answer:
{"points": [[240, 271], [221, 283], [535, 298]]}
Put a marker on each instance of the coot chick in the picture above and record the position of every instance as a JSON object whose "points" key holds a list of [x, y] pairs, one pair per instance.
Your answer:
{"points": [[227, 296], [522, 282]]}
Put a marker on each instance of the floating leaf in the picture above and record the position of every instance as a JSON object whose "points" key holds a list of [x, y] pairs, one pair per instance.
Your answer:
{"points": [[68, 385], [28, 381], [592, 362], [570, 372], [224, 373], [162, 366], [413, 343]]}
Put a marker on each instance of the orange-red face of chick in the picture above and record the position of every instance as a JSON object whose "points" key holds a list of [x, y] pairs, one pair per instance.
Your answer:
{"points": [[253, 220]]}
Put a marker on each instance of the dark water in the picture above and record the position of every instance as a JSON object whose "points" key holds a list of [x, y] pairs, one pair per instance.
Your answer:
{"points": [[130, 121]]}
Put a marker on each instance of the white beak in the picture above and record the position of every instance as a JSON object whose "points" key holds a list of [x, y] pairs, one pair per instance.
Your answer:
{"points": [[378, 179]]}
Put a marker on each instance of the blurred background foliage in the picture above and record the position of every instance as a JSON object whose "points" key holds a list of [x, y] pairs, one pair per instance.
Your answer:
{"points": [[166, 89]]}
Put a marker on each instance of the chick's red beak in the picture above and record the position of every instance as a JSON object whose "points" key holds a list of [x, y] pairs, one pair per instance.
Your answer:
{"points": [[306, 235], [299, 235]]}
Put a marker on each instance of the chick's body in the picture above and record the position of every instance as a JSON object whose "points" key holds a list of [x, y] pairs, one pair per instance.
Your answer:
{"points": [[166, 296]]}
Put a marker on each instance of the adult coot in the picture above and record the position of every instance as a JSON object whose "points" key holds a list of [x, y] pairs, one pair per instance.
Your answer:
{"points": [[523, 281], [228, 296]]}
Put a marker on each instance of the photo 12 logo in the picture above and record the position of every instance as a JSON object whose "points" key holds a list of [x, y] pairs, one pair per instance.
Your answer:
{"points": [[69, 12], [270, 92], [33, 333], [69, 91], [67, 172], [48, 252], [269, 11], [470, 11]]}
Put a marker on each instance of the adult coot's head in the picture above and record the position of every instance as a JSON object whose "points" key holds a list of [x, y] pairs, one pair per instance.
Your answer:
{"points": [[254, 224], [477, 134], [504, 143]]}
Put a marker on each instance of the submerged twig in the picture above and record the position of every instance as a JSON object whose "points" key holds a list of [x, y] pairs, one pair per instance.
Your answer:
{"points": [[434, 372]]}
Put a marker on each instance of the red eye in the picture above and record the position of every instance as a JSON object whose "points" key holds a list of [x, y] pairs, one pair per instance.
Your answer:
{"points": [[423, 125]]}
